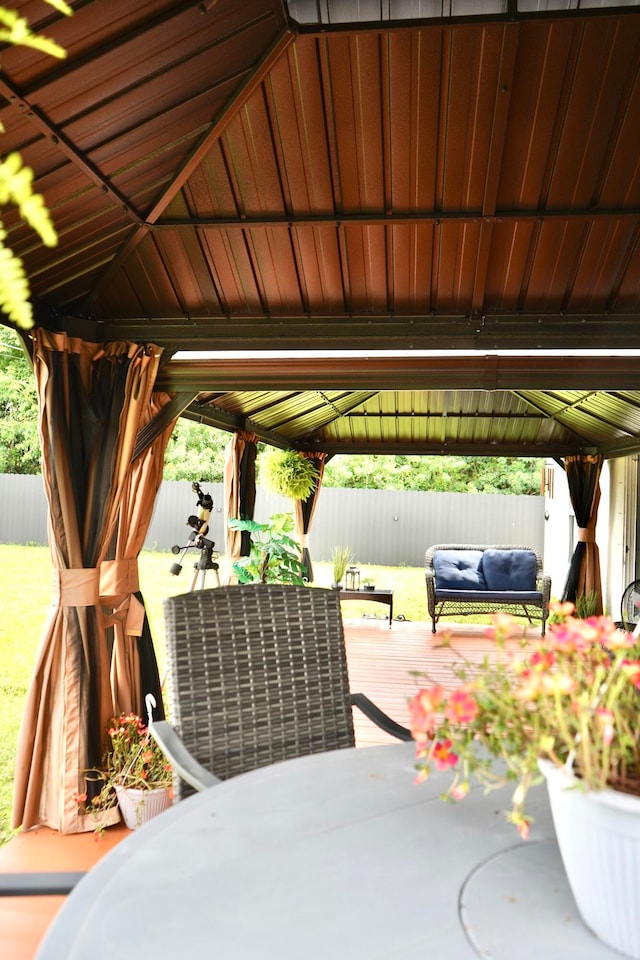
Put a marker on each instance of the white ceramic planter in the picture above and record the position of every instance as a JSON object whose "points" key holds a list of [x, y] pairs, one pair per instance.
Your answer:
{"points": [[599, 839], [138, 806]]}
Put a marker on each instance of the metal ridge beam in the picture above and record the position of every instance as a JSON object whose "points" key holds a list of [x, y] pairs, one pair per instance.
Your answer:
{"points": [[531, 332], [435, 217], [481, 372]]}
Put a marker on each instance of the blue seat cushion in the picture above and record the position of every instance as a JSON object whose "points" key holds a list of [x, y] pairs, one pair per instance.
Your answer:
{"points": [[458, 570], [509, 569]]}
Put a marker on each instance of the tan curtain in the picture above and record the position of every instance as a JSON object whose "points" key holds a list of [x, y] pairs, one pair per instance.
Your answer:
{"points": [[304, 510], [583, 476], [134, 669], [91, 398], [239, 492]]}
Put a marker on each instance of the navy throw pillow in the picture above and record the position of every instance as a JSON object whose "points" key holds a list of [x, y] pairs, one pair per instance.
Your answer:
{"points": [[458, 570], [509, 569]]}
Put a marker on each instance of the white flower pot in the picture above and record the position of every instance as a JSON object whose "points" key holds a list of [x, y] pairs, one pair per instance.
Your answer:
{"points": [[599, 838], [138, 806]]}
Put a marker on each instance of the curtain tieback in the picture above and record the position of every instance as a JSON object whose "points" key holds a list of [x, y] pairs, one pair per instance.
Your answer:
{"points": [[304, 540], [586, 535], [119, 583], [78, 587]]}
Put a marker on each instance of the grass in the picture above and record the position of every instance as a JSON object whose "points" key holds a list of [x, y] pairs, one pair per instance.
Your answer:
{"points": [[25, 600]]}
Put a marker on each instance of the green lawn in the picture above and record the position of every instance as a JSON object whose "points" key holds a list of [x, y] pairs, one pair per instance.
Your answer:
{"points": [[26, 594]]}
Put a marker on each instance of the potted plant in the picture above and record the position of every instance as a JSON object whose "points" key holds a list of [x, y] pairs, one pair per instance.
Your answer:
{"points": [[134, 774], [566, 709], [274, 557], [288, 473], [340, 559]]}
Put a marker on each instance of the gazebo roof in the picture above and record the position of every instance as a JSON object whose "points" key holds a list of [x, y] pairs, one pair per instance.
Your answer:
{"points": [[448, 203]]}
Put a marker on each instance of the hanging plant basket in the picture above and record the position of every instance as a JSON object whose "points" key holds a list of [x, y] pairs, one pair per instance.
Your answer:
{"points": [[288, 473], [139, 806]]}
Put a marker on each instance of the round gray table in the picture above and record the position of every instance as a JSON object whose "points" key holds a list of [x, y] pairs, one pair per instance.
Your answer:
{"points": [[337, 855]]}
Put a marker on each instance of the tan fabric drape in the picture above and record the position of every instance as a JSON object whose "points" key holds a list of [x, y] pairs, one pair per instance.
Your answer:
{"points": [[304, 510], [91, 399], [134, 671], [239, 492], [583, 477]]}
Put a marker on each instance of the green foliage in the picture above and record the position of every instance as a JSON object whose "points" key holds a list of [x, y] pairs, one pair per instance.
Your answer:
{"points": [[195, 452], [449, 474], [288, 473], [586, 604], [19, 441], [340, 558], [16, 182], [274, 557]]}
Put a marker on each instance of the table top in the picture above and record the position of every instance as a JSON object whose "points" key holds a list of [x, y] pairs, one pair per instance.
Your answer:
{"points": [[368, 593], [337, 855]]}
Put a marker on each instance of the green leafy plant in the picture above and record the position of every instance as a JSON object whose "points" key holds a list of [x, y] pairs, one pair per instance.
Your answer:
{"points": [[340, 558], [274, 557], [288, 473], [572, 700], [133, 760], [16, 181], [586, 604]]}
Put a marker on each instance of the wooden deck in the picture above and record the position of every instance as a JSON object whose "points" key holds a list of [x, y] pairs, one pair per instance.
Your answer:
{"points": [[381, 661]]}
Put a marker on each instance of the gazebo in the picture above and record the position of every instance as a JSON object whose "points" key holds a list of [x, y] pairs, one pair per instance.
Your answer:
{"points": [[399, 226]]}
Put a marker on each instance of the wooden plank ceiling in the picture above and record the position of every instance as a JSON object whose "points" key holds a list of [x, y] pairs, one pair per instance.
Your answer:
{"points": [[417, 196]]}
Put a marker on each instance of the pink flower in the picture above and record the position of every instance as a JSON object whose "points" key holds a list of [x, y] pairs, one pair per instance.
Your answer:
{"points": [[606, 720], [503, 624], [460, 791], [561, 608], [542, 659], [443, 756], [422, 709], [461, 706], [558, 683], [631, 669]]}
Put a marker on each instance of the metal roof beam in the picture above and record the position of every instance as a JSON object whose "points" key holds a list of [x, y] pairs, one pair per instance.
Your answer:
{"points": [[434, 217], [533, 332], [481, 372]]}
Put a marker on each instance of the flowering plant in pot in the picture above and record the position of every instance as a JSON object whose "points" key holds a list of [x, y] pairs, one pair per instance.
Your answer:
{"points": [[133, 770], [565, 706]]}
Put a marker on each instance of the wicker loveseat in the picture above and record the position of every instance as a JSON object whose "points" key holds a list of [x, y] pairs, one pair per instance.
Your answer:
{"points": [[467, 579]]}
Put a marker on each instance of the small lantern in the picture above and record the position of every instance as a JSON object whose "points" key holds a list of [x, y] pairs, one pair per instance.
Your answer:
{"points": [[352, 579]]}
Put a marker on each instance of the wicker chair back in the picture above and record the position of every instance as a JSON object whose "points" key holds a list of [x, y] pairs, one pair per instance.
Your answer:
{"points": [[257, 674]]}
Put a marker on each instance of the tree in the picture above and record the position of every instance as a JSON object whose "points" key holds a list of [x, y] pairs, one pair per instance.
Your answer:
{"points": [[19, 441], [195, 452], [511, 475]]}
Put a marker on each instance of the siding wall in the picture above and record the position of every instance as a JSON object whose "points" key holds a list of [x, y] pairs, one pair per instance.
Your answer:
{"points": [[379, 526]]}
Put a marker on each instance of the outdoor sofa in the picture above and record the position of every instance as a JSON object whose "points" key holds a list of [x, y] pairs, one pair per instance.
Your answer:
{"points": [[477, 579]]}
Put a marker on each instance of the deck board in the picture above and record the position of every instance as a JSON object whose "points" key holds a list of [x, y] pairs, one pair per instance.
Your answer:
{"points": [[381, 661]]}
